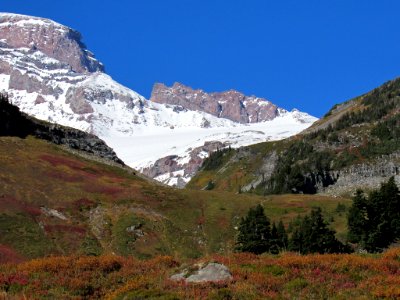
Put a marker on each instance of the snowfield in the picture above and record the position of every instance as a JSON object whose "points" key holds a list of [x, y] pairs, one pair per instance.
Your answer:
{"points": [[149, 144]]}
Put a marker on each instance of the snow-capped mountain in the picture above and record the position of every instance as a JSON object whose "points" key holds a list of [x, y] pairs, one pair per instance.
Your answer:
{"points": [[47, 71]]}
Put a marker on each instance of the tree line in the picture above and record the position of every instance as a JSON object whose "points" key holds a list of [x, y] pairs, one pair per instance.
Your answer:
{"points": [[373, 224]]}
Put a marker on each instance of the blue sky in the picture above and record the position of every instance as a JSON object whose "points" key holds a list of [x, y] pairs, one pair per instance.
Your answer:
{"points": [[305, 54]]}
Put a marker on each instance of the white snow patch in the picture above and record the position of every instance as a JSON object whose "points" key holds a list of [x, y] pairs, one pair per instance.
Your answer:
{"points": [[160, 142], [4, 82]]}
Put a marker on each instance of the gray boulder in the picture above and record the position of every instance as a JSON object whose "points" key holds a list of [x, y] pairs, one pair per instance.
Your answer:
{"points": [[211, 272]]}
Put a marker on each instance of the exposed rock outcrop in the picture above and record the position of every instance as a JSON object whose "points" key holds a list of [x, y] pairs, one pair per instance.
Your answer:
{"points": [[231, 104], [15, 123], [366, 175], [55, 40], [75, 139], [265, 171], [173, 170], [211, 272]]}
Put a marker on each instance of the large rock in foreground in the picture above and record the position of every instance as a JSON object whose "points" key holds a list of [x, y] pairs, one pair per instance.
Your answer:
{"points": [[212, 272]]}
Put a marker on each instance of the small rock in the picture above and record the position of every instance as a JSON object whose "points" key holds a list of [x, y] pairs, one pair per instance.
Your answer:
{"points": [[53, 213]]}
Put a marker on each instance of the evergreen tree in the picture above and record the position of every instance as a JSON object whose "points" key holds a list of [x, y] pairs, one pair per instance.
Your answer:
{"points": [[391, 193], [254, 232], [357, 218], [314, 235], [282, 236], [274, 244], [296, 240], [374, 223]]}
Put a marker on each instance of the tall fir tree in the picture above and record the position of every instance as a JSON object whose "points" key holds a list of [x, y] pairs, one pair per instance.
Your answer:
{"points": [[254, 232], [314, 235], [274, 244], [282, 236], [357, 218], [374, 223]]}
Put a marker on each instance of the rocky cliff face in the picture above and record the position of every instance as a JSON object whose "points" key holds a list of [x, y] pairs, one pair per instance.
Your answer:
{"points": [[175, 171], [366, 175], [55, 40], [231, 104], [47, 71], [15, 123]]}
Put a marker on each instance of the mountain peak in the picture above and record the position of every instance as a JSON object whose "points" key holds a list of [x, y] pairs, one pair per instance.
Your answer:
{"points": [[231, 104], [51, 38], [23, 20]]}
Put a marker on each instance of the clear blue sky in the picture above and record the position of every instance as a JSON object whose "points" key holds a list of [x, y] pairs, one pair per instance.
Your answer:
{"points": [[306, 54]]}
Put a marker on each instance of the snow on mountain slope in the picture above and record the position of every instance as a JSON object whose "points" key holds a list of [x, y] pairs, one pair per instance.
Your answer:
{"points": [[167, 142], [178, 144]]}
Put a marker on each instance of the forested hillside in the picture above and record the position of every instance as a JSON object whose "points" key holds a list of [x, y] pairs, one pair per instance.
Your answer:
{"points": [[357, 143]]}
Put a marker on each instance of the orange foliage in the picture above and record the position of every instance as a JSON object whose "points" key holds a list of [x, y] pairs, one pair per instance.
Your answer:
{"points": [[254, 277]]}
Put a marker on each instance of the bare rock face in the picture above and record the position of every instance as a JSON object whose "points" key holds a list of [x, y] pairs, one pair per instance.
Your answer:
{"points": [[177, 171], [47, 71], [211, 272], [15, 123], [365, 175], [231, 104], [53, 39]]}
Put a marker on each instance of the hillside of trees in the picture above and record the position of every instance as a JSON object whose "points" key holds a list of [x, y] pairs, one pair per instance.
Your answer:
{"points": [[373, 225]]}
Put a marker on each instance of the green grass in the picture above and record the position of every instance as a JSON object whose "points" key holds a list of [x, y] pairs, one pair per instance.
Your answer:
{"points": [[24, 235], [125, 240], [182, 223]]}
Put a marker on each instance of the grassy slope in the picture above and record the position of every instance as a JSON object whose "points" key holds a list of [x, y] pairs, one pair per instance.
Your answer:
{"points": [[234, 173], [101, 202], [287, 276], [348, 146]]}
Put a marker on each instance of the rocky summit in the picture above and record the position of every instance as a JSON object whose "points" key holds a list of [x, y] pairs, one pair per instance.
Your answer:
{"points": [[231, 105], [52, 39]]}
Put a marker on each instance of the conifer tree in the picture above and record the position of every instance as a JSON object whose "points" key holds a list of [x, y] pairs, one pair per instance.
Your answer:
{"points": [[357, 218], [296, 240], [274, 244], [282, 236], [314, 235], [254, 232], [374, 223]]}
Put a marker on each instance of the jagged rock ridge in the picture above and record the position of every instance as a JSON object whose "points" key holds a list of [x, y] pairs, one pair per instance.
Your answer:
{"points": [[15, 123], [231, 105]]}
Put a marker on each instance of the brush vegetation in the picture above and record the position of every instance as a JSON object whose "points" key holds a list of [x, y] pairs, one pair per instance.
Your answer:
{"points": [[284, 276], [107, 209]]}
